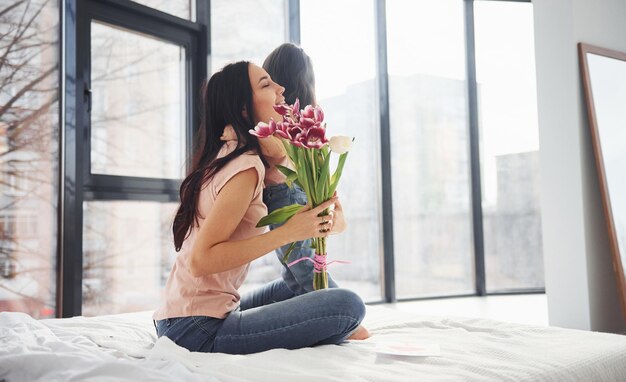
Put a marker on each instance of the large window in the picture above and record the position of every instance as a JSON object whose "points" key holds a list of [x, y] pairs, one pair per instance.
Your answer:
{"points": [[140, 70], [29, 141], [344, 57], [138, 107], [429, 148], [509, 144], [437, 154], [138, 129]]}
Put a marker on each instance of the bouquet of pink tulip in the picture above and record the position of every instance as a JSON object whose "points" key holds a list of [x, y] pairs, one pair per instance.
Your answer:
{"points": [[303, 134]]}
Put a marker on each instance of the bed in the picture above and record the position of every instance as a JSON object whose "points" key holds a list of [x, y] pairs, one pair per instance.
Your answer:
{"points": [[124, 348]]}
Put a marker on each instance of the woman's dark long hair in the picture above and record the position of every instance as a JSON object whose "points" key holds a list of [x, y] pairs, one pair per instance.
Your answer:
{"points": [[290, 67], [224, 97]]}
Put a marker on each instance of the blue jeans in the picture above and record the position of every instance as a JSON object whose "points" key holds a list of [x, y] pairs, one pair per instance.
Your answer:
{"points": [[269, 318], [298, 277]]}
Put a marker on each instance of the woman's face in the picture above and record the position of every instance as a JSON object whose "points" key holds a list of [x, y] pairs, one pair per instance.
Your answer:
{"points": [[265, 94]]}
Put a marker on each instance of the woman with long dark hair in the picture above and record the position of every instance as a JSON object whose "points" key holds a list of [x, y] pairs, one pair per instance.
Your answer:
{"points": [[216, 235]]}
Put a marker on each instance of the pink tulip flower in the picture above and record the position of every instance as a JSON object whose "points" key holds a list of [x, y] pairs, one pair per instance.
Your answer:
{"points": [[282, 130], [318, 114], [307, 123], [308, 112], [294, 133], [282, 109], [264, 130], [315, 138]]}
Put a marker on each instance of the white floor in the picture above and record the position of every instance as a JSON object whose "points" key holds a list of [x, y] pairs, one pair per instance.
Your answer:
{"points": [[524, 309]]}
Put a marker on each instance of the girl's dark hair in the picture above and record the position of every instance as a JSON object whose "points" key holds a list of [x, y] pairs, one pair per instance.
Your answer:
{"points": [[290, 67], [224, 97]]}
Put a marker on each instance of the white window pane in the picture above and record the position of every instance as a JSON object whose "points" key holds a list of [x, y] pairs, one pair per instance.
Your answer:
{"points": [[185, 9], [246, 30], [339, 38], [507, 100], [29, 157], [138, 108], [433, 243], [128, 252]]}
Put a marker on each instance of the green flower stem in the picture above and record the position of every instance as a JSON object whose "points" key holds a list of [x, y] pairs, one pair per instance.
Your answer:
{"points": [[311, 163], [320, 280], [304, 177]]}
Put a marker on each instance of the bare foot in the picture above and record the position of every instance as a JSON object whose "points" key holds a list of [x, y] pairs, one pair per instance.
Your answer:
{"points": [[360, 334]]}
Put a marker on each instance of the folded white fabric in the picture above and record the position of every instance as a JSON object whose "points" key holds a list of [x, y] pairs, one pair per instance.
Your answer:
{"points": [[31, 351], [130, 334]]}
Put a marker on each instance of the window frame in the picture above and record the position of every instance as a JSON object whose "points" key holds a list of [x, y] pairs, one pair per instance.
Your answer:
{"points": [[77, 183], [478, 248]]}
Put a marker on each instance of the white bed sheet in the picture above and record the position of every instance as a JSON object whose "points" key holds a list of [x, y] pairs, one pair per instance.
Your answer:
{"points": [[122, 347], [83, 349]]}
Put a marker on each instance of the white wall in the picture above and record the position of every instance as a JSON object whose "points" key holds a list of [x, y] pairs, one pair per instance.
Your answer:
{"points": [[580, 283]]}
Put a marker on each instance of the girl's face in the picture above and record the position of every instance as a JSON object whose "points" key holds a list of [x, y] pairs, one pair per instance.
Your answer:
{"points": [[265, 94]]}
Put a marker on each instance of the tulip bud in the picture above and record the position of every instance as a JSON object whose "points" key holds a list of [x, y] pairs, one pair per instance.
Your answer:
{"points": [[264, 130], [340, 144]]}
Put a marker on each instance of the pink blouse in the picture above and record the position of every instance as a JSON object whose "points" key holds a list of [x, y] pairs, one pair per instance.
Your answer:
{"points": [[214, 295]]}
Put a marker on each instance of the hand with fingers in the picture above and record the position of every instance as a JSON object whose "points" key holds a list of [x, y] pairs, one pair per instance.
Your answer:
{"points": [[308, 223], [336, 213]]}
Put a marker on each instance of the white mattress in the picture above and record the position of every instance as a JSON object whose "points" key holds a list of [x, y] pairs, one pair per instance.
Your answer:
{"points": [[123, 348]]}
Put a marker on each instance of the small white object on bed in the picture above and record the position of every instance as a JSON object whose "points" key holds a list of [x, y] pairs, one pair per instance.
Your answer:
{"points": [[124, 348]]}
